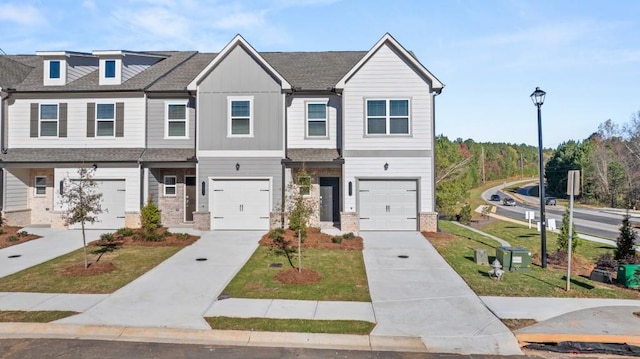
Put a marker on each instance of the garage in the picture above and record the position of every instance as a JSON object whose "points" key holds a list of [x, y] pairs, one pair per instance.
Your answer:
{"points": [[388, 205], [113, 205], [240, 204]]}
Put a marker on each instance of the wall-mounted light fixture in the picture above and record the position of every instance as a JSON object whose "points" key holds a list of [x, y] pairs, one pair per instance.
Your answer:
{"points": [[95, 166], [237, 166], [62, 187], [350, 188], [203, 184], [386, 166]]}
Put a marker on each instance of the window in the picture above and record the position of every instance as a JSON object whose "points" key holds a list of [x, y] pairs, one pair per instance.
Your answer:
{"points": [[304, 184], [317, 120], [105, 119], [385, 117], [54, 69], [48, 120], [170, 185], [41, 185], [110, 69], [240, 117], [176, 120]]}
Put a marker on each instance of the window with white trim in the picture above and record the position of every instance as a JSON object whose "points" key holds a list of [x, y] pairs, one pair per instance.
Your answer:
{"points": [[110, 69], [40, 186], [387, 117], [240, 112], [176, 120], [170, 185], [54, 69], [105, 119], [317, 119], [48, 120]]}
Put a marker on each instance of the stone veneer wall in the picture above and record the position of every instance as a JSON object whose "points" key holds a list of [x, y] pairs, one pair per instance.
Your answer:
{"points": [[172, 207], [132, 220], [428, 222], [17, 218], [275, 220], [42, 206], [202, 221], [349, 222]]}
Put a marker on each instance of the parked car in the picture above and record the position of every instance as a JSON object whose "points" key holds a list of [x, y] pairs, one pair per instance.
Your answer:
{"points": [[509, 201], [550, 201], [495, 197]]}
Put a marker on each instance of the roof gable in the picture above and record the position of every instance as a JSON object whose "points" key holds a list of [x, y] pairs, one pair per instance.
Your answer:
{"points": [[238, 41], [436, 85]]}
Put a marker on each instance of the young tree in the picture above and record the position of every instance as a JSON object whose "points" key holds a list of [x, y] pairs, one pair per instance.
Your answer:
{"points": [[82, 202], [563, 237], [624, 244]]}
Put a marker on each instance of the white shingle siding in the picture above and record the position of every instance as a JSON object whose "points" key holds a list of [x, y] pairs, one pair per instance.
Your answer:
{"points": [[297, 122], [399, 168], [386, 76], [134, 124]]}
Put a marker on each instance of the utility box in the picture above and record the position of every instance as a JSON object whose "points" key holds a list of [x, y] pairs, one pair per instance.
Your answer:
{"points": [[480, 256], [629, 275], [514, 258]]}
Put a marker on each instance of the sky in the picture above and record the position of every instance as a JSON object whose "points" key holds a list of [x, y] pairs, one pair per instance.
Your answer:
{"points": [[490, 54]]}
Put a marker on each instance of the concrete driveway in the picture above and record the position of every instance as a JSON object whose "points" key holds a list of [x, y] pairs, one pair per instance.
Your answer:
{"points": [[177, 292], [423, 296]]}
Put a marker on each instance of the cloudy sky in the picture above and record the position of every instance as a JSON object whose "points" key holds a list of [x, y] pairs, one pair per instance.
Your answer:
{"points": [[490, 54]]}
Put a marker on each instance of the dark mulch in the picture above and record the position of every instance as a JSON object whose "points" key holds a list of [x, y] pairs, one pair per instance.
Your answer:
{"points": [[292, 276], [95, 268], [10, 236], [316, 239]]}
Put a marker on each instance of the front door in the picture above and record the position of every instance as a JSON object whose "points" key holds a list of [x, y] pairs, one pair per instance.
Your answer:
{"points": [[189, 197], [329, 199]]}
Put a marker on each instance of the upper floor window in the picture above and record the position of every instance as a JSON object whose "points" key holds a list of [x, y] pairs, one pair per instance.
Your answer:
{"points": [[40, 185], [170, 185], [387, 117], [317, 120], [105, 119], [240, 122], [54, 69], [110, 69], [176, 120], [48, 120]]}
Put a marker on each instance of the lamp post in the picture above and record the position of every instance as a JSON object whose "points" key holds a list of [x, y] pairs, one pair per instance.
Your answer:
{"points": [[538, 99]]}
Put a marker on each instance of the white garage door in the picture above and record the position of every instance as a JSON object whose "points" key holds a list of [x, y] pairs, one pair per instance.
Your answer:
{"points": [[113, 205], [388, 205], [240, 204]]}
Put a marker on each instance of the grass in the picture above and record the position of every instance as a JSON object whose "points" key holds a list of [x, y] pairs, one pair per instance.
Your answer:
{"points": [[130, 262], [539, 282], [292, 325], [343, 277], [34, 316]]}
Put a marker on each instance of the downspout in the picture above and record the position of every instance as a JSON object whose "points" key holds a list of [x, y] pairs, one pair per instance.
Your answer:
{"points": [[4, 97], [286, 155], [433, 151]]}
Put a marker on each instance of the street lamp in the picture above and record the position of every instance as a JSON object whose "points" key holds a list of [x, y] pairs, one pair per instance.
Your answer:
{"points": [[538, 99]]}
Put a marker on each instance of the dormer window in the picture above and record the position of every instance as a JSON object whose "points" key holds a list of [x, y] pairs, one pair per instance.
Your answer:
{"points": [[110, 69], [54, 69]]}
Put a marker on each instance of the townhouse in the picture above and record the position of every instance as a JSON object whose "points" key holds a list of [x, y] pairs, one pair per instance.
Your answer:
{"points": [[215, 139]]}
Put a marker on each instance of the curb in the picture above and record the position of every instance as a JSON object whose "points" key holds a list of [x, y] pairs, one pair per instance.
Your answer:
{"points": [[526, 338], [212, 337]]}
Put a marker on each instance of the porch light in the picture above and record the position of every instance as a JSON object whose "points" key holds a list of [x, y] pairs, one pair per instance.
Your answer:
{"points": [[237, 166]]}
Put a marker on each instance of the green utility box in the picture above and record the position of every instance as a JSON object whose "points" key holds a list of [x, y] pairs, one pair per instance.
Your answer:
{"points": [[514, 258], [629, 275]]}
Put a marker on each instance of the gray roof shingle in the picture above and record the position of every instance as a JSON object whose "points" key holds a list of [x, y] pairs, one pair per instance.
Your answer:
{"points": [[181, 76], [12, 71], [169, 155], [313, 154], [70, 155]]}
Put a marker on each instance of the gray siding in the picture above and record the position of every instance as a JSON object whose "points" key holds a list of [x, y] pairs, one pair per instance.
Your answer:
{"points": [[17, 189], [250, 167], [133, 65], [154, 180], [80, 66], [240, 75], [156, 123]]}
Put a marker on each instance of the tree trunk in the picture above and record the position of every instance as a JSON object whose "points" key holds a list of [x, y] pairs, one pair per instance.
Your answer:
{"points": [[84, 246]]}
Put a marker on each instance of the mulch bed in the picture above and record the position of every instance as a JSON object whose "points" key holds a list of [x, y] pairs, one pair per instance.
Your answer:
{"points": [[292, 276], [316, 239], [95, 268], [137, 239], [10, 236]]}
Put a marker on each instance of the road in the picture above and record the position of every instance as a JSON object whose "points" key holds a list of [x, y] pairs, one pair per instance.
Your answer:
{"points": [[599, 223]]}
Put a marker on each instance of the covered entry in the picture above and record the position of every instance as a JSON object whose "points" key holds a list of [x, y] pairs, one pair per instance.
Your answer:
{"points": [[388, 204]]}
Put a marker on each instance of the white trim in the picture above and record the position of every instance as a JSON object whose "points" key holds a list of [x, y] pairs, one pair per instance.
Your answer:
{"points": [[165, 186], [184, 103], [436, 85], [387, 117], [230, 100], [125, 53], [48, 120], [35, 186], [113, 135], [60, 81], [326, 119], [248, 153], [117, 80], [237, 41]]}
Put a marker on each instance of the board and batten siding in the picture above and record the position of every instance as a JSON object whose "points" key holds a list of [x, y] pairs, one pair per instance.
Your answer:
{"points": [[399, 168], [131, 176], [157, 123], [297, 122], [225, 168], [133, 65], [239, 75], [16, 189], [78, 67], [76, 136], [387, 76]]}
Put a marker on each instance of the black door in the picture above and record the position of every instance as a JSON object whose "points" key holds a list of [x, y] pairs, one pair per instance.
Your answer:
{"points": [[330, 201]]}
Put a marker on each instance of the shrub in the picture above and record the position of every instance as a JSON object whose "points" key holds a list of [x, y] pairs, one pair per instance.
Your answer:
{"points": [[349, 235], [1, 231], [166, 233], [12, 238], [150, 216], [337, 239], [465, 214], [624, 245], [22, 234], [563, 237], [606, 261], [125, 232], [182, 236], [106, 237], [153, 236]]}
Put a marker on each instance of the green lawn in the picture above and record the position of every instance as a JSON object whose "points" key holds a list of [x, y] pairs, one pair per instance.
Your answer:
{"points": [[292, 325], [538, 282], [130, 262], [33, 316], [343, 277]]}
